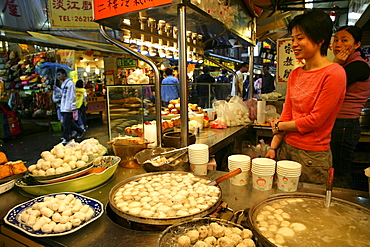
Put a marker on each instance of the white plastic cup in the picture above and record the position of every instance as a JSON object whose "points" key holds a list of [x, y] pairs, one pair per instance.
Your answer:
{"points": [[198, 153], [287, 184], [199, 169], [150, 134], [262, 182], [241, 179]]}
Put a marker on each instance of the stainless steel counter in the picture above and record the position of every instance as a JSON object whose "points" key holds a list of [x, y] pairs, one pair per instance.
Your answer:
{"points": [[104, 232]]}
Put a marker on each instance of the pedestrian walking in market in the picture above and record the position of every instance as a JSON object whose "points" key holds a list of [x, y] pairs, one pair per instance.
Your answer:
{"points": [[81, 103], [68, 107]]}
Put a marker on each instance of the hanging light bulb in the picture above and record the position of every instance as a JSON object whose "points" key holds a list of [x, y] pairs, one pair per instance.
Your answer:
{"points": [[85, 74], [97, 71], [88, 68]]}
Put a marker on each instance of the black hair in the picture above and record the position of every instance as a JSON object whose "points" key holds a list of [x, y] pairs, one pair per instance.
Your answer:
{"points": [[224, 71], [62, 71], [266, 66], [206, 69], [317, 25], [356, 34], [79, 84], [244, 64], [168, 71]]}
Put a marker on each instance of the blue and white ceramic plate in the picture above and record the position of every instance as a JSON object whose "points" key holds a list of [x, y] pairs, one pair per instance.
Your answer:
{"points": [[12, 217]]}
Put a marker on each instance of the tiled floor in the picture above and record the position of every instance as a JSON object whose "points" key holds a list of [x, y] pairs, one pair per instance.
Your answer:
{"points": [[29, 145]]}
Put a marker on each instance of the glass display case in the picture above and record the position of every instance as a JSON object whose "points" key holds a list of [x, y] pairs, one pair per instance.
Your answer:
{"points": [[130, 107]]}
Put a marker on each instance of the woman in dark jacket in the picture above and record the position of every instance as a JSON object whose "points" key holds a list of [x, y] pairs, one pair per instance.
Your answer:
{"points": [[347, 131]]}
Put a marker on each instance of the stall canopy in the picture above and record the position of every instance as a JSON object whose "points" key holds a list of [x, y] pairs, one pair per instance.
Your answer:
{"points": [[48, 40]]}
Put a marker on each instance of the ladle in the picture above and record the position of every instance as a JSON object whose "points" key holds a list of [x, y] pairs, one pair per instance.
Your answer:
{"points": [[329, 186], [226, 176]]}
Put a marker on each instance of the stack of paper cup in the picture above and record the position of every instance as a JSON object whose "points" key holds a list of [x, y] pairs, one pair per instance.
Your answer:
{"points": [[198, 158], [288, 173], [244, 163], [263, 170], [261, 112]]}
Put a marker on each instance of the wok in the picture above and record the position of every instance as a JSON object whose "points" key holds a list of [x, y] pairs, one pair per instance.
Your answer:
{"points": [[141, 223]]}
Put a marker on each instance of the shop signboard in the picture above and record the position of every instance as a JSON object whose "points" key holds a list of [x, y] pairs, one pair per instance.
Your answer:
{"points": [[22, 14], [105, 9], [126, 63], [286, 61], [366, 51], [76, 14]]}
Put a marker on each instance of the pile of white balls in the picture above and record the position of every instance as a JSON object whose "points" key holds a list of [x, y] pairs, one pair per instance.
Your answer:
{"points": [[56, 214], [166, 195]]}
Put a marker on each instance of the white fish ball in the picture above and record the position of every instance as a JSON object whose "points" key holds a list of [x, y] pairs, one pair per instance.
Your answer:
{"points": [[285, 232], [298, 227]]}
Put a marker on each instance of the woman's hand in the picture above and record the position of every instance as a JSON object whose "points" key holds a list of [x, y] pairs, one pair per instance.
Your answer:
{"points": [[274, 128], [271, 154], [342, 56]]}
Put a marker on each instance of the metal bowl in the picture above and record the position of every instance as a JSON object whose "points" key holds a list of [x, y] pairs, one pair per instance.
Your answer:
{"points": [[146, 154], [170, 236]]}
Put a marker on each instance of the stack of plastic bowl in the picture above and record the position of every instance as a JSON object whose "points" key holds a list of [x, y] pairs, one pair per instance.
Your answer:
{"points": [[263, 170], [244, 163], [198, 158], [288, 173]]}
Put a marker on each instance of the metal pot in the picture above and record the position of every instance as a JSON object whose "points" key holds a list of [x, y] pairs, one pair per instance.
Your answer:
{"points": [[142, 223], [146, 154], [352, 210]]}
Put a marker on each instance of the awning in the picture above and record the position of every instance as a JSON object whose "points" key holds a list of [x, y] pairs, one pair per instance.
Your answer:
{"points": [[48, 40], [77, 44], [25, 38]]}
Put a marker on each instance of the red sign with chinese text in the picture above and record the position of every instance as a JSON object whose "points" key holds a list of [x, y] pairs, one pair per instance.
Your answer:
{"points": [[109, 8]]}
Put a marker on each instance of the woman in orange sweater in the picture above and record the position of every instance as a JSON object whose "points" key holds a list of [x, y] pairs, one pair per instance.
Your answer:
{"points": [[314, 96]]}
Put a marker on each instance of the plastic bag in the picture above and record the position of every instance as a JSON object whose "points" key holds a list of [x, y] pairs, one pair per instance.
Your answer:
{"points": [[232, 113]]}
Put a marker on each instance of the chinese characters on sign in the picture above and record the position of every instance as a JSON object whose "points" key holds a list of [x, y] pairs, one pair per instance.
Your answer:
{"points": [[108, 8], [286, 60], [126, 63], [11, 7], [72, 14]]}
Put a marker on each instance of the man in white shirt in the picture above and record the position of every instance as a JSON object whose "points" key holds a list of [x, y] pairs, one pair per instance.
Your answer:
{"points": [[238, 80]]}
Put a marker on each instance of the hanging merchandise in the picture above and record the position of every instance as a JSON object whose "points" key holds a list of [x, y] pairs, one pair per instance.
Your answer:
{"points": [[9, 122]]}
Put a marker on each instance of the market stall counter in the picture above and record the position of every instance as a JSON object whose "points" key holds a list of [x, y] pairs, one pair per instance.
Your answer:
{"points": [[104, 232]]}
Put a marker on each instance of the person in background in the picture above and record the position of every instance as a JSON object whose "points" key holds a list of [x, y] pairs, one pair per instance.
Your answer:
{"points": [[203, 91], [258, 85], [238, 80], [89, 85], [169, 92], [57, 97], [268, 81], [347, 130], [68, 107], [222, 91], [315, 93], [81, 103]]}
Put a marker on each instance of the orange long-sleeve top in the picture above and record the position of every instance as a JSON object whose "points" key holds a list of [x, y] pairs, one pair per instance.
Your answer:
{"points": [[313, 100]]}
